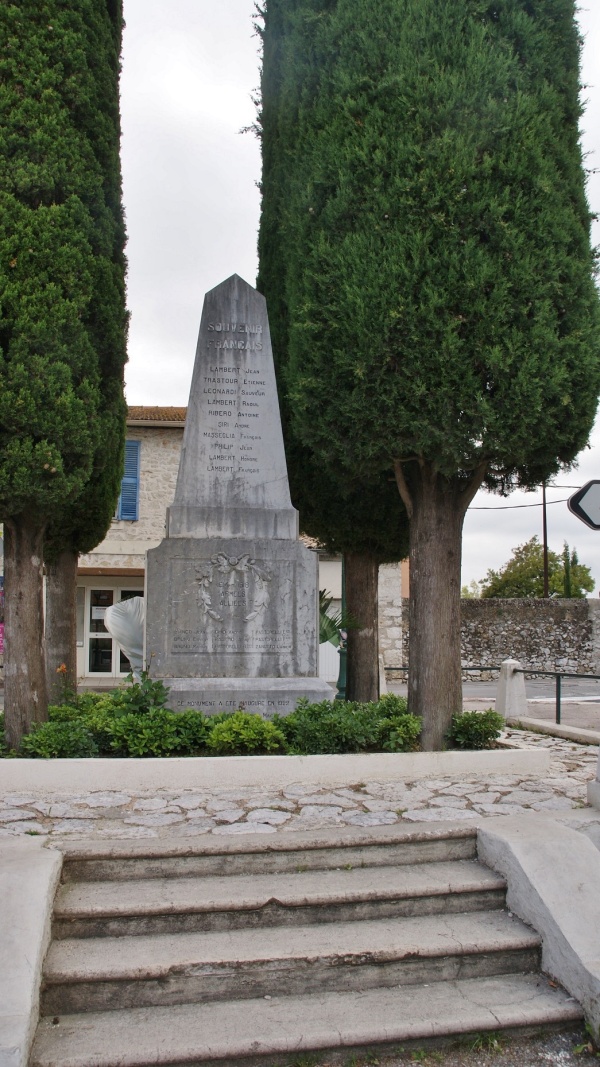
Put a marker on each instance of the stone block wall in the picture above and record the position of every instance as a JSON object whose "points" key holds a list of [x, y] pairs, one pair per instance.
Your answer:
{"points": [[548, 635], [390, 615]]}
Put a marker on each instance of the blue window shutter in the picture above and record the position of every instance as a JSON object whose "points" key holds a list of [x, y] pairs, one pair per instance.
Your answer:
{"points": [[128, 507]]}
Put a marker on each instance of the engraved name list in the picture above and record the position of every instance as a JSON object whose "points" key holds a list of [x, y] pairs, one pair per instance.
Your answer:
{"points": [[232, 395]]}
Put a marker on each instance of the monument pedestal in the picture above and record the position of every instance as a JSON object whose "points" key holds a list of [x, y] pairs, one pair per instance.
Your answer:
{"points": [[232, 593], [232, 621], [265, 696]]}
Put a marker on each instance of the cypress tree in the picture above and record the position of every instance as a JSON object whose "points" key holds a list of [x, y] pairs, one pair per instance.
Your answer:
{"points": [[366, 523], [423, 174], [361, 518], [62, 326]]}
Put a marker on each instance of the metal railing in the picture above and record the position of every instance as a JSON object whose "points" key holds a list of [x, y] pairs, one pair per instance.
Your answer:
{"points": [[558, 675], [484, 667]]}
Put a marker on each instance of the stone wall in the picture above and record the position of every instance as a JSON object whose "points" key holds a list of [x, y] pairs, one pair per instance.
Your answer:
{"points": [[544, 634], [390, 615]]}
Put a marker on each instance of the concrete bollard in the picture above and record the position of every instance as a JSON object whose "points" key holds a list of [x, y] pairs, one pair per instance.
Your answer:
{"points": [[511, 699]]}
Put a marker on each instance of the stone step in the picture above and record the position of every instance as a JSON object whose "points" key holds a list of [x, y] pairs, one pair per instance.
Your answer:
{"points": [[171, 905], [265, 1030], [99, 974], [336, 847]]}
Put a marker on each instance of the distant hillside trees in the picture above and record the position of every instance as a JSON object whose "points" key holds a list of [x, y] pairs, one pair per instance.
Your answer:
{"points": [[523, 574]]}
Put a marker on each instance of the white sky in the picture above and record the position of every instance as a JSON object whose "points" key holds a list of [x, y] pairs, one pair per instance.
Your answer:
{"points": [[190, 69]]}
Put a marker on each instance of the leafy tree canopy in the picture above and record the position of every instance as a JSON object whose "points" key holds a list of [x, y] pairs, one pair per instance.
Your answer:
{"points": [[523, 575]]}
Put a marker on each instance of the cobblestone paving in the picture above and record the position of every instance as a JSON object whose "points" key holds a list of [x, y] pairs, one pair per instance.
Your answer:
{"points": [[192, 812]]}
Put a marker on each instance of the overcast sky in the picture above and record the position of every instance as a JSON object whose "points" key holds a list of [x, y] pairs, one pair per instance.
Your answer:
{"points": [[190, 69]]}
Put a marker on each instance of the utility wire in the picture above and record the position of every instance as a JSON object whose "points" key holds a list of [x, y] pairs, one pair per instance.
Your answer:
{"points": [[511, 507]]}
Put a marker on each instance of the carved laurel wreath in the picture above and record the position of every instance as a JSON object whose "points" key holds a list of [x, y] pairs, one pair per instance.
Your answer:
{"points": [[228, 565]]}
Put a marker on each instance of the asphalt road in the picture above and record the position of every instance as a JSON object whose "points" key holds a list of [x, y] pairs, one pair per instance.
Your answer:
{"points": [[580, 699]]}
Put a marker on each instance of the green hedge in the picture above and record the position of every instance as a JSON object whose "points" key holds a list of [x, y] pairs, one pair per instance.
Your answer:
{"points": [[134, 722]]}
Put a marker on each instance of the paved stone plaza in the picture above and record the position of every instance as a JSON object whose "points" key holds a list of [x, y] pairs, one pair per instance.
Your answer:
{"points": [[188, 813]]}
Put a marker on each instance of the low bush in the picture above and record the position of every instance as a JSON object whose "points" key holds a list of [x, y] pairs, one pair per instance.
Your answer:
{"points": [[193, 730], [245, 734], [392, 705], [151, 734], [64, 713], [400, 733], [344, 726], [475, 729], [59, 740], [133, 722], [139, 698]]}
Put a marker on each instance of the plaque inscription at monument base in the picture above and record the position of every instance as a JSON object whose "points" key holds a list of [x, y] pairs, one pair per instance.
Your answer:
{"points": [[232, 593]]}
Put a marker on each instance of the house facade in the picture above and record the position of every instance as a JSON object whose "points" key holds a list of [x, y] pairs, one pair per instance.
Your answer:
{"points": [[115, 569]]}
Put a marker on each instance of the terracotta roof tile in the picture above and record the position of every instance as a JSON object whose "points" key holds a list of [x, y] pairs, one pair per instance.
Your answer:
{"points": [[157, 414]]}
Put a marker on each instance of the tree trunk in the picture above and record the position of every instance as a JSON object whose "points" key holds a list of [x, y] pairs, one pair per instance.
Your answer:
{"points": [[434, 671], [61, 625], [362, 679], [436, 508], [25, 693]]}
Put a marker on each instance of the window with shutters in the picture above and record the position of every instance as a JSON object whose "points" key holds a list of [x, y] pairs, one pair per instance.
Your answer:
{"points": [[128, 506]]}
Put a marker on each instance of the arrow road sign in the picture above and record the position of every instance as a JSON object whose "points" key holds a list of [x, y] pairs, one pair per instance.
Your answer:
{"points": [[585, 504]]}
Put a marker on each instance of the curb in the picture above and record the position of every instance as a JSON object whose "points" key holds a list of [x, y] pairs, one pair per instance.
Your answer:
{"points": [[66, 776]]}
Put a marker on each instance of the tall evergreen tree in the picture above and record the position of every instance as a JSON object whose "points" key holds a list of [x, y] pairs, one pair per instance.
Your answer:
{"points": [[367, 524], [424, 204], [360, 517], [62, 325]]}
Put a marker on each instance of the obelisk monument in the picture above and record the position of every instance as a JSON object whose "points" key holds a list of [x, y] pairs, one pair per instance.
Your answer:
{"points": [[232, 593]]}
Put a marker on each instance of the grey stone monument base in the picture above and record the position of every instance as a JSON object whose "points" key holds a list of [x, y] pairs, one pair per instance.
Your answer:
{"points": [[231, 608], [264, 696], [250, 523]]}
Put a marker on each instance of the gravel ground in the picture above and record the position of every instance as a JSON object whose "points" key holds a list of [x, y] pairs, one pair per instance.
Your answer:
{"points": [[568, 1049]]}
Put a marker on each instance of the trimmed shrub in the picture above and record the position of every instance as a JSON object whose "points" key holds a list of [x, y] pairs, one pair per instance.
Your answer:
{"points": [[245, 734], [475, 729], [193, 730], [64, 713], [400, 733], [157, 732], [59, 740], [350, 727], [390, 705], [100, 721], [132, 722], [151, 734]]}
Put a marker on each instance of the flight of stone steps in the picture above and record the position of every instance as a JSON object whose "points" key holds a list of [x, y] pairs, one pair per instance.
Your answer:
{"points": [[268, 949]]}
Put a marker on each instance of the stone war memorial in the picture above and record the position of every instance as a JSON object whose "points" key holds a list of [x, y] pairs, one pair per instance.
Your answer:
{"points": [[232, 593]]}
